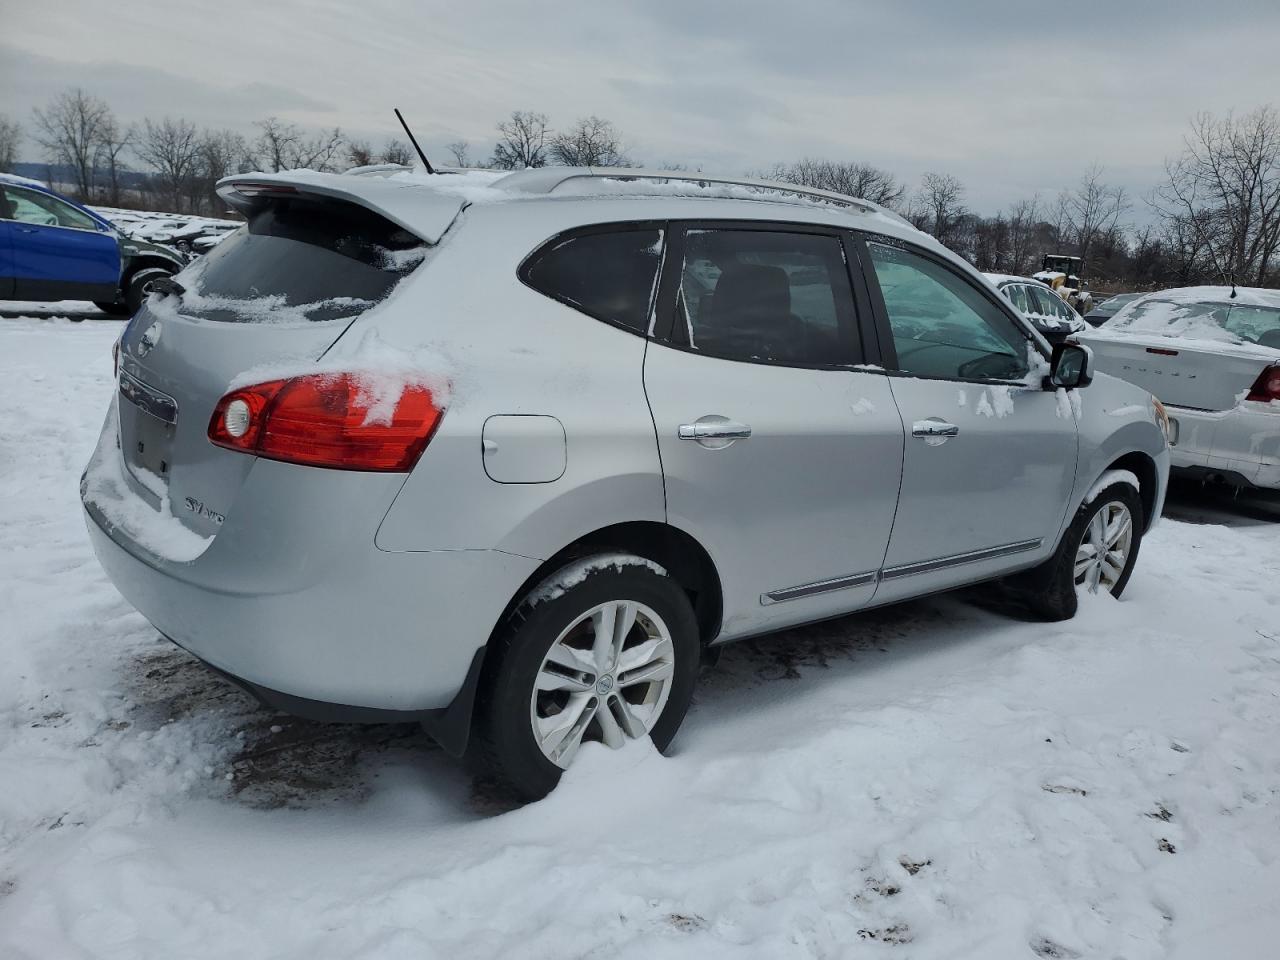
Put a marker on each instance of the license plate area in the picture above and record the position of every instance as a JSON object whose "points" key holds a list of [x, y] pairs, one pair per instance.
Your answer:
{"points": [[148, 424]]}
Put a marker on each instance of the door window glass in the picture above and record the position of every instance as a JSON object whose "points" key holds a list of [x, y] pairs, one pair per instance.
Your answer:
{"points": [[942, 325], [607, 275], [27, 206], [766, 296]]}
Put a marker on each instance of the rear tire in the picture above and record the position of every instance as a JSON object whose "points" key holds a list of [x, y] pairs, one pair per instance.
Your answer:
{"points": [[547, 674], [140, 285], [1050, 590]]}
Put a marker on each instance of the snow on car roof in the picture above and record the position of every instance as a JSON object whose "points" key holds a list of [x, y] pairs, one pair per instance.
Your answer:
{"points": [[1252, 296], [999, 278]]}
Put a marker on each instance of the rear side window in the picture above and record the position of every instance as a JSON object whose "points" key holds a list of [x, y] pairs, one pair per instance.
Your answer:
{"points": [[301, 259], [609, 274], [766, 296], [1017, 293]]}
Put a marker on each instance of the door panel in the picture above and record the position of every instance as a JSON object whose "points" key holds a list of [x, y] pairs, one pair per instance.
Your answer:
{"points": [[1000, 483], [806, 499], [780, 459], [989, 461]]}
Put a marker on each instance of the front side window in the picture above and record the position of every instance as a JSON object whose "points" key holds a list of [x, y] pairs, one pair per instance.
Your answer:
{"points": [[610, 275], [765, 296], [942, 325], [27, 206]]}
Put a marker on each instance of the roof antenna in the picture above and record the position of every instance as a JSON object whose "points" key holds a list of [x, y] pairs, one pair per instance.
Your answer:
{"points": [[412, 139], [1231, 278]]}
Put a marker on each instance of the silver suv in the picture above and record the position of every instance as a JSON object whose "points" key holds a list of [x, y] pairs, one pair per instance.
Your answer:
{"points": [[510, 456]]}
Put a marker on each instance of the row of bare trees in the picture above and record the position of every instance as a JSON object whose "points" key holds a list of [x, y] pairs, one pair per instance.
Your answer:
{"points": [[1216, 212], [80, 133]]}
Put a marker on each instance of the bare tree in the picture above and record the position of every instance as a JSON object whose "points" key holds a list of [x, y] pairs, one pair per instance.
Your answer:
{"points": [[591, 142], [219, 154], [938, 207], [852, 179], [285, 146], [111, 145], [359, 153], [460, 150], [10, 137], [171, 148], [1090, 210], [397, 151], [523, 141], [1225, 190], [70, 130], [1024, 224]]}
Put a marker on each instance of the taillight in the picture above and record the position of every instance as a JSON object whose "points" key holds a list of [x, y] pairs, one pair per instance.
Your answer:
{"points": [[327, 420], [1267, 387]]}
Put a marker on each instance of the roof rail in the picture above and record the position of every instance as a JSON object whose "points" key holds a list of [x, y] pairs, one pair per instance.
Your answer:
{"points": [[545, 180]]}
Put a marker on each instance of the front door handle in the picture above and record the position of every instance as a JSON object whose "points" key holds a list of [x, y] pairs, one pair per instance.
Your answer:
{"points": [[714, 432], [934, 431]]}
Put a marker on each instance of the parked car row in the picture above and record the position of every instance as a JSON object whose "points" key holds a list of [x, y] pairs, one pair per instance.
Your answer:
{"points": [[516, 474]]}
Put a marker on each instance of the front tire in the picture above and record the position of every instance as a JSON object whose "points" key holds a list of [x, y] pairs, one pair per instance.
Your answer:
{"points": [[1098, 552], [606, 650]]}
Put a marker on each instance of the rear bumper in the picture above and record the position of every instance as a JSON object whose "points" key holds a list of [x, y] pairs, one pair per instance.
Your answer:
{"points": [[377, 635], [1240, 444]]}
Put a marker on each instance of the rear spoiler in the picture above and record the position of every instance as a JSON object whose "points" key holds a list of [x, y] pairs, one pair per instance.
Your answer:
{"points": [[424, 212]]}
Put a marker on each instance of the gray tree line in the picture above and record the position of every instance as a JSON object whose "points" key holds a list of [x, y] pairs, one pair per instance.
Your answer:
{"points": [[1216, 212]]}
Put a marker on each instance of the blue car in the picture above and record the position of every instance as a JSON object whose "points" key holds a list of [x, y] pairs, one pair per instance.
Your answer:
{"points": [[52, 248]]}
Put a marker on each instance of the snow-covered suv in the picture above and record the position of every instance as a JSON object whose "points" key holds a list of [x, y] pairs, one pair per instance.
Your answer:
{"points": [[507, 456]]}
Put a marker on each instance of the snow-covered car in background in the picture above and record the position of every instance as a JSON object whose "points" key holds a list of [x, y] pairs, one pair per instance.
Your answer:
{"points": [[1212, 355], [52, 248], [1109, 307], [1049, 313], [186, 233], [510, 472]]}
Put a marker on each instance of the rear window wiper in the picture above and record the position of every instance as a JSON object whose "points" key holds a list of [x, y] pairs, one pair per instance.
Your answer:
{"points": [[167, 286]]}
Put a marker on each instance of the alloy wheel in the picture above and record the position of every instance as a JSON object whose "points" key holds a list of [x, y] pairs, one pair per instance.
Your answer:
{"points": [[606, 678], [1104, 549]]}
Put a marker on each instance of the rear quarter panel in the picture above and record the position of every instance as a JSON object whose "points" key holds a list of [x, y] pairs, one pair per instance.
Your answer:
{"points": [[511, 350]]}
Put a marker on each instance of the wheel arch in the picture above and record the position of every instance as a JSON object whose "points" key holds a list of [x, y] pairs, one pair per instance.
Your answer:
{"points": [[145, 262], [1144, 468]]}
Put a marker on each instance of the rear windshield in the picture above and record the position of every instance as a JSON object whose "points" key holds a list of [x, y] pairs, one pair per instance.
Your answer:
{"points": [[1227, 322], [301, 259]]}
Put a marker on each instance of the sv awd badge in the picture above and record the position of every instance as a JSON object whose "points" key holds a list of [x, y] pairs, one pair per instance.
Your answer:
{"points": [[200, 510]]}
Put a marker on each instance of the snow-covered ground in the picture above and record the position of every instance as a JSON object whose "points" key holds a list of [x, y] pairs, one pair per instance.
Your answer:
{"points": [[932, 780]]}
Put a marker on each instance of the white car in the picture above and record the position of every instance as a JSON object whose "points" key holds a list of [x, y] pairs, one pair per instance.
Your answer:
{"points": [[1212, 355]]}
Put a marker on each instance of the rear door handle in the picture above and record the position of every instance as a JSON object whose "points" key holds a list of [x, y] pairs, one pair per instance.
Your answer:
{"points": [[934, 431], [714, 430]]}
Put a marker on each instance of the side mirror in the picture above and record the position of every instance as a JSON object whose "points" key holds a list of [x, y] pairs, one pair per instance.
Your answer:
{"points": [[1071, 367]]}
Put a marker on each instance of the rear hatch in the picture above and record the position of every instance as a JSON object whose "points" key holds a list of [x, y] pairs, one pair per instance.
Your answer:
{"points": [[1199, 355], [275, 295]]}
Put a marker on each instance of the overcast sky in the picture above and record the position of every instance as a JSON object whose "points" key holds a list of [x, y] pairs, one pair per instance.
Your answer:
{"points": [[1010, 97]]}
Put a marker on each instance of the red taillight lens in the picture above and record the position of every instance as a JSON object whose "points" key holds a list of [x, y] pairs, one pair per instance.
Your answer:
{"points": [[1267, 386], [327, 420]]}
